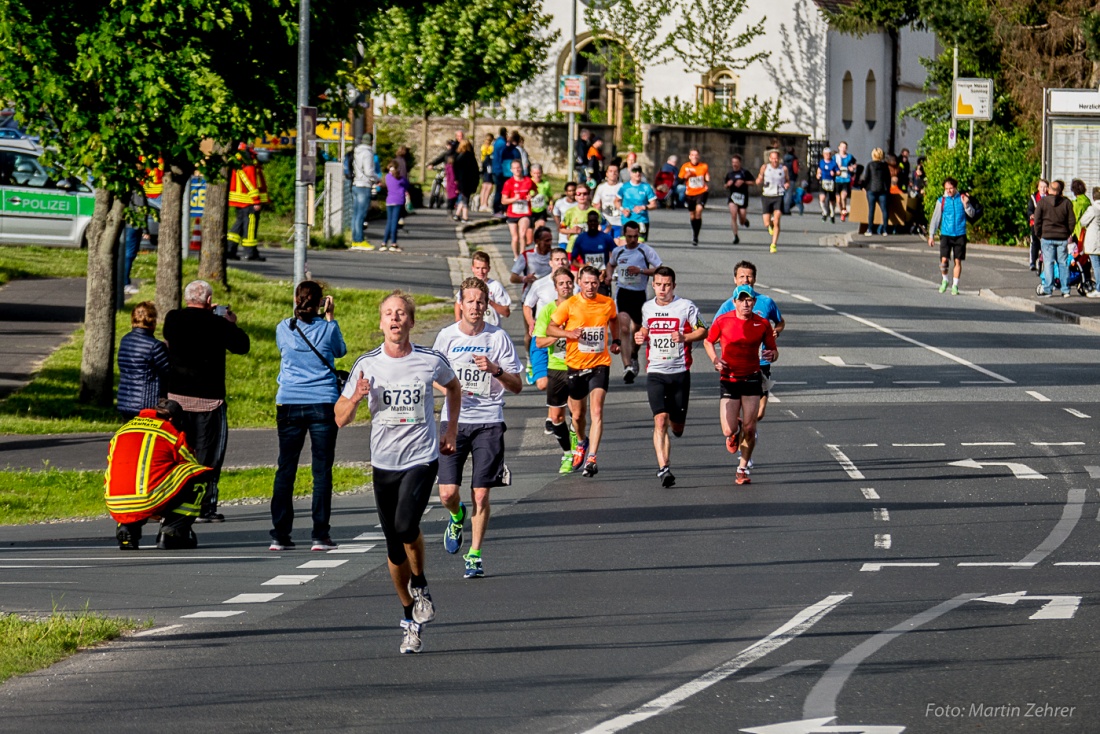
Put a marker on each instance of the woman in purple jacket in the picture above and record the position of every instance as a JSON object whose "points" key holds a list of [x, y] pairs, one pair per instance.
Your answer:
{"points": [[397, 189]]}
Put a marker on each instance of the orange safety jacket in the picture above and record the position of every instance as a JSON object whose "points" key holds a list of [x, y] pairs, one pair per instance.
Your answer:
{"points": [[244, 190], [261, 183], [147, 465], [153, 184]]}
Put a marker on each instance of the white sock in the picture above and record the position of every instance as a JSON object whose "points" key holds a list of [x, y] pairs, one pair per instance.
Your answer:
{"points": [[955, 281], [945, 277]]}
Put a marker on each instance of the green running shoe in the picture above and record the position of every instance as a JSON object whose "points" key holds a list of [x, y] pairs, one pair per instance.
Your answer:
{"points": [[566, 464], [943, 286]]}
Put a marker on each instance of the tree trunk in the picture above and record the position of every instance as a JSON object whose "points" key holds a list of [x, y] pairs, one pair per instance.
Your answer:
{"points": [[97, 362], [895, 71], [212, 263], [424, 152], [169, 247]]}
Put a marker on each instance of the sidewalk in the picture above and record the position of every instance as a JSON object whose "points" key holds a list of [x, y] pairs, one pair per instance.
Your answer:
{"points": [[989, 271], [37, 316]]}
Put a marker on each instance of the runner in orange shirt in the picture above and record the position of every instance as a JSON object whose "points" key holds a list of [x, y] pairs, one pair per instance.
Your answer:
{"points": [[583, 321], [696, 176]]}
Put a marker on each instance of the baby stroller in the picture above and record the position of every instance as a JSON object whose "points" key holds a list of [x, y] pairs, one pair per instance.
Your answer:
{"points": [[1081, 276]]}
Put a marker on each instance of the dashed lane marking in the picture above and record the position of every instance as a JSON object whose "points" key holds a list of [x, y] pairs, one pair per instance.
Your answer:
{"points": [[997, 564], [845, 463], [290, 579], [883, 540], [252, 598], [326, 563], [220, 614], [1078, 563], [918, 445], [1038, 396], [916, 382], [1057, 443], [351, 549], [802, 298], [535, 442], [1094, 472], [989, 443], [1075, 412], [370, 536], [869, 494], [158, 631], [791, 667], [849, 382], [882, 514], [874, 567]]}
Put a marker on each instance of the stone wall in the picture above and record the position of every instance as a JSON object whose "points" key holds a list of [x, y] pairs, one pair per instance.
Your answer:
{"points": [[716, 146]]}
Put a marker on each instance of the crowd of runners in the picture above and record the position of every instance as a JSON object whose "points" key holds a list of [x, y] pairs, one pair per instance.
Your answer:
{"points": [[585, 299]]}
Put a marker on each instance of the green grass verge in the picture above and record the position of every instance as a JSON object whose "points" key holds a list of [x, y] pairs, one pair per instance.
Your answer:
{"points": [[39, 496], [42, 262], [48, 404], [27, 645]]}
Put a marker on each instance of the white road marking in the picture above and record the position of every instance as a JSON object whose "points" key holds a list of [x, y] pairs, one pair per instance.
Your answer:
{"points": [[1057, 443], [1071, 514], [47, 567], [998, 564], [827, 308], [849, 382], [290, 579], [326, 563], [989, 443], [919, 445], [786, 382], [822, 726], [1078, 563], [869, 494], [1094, 472], [845, 463], [883, 540], [351, 549], [980, 382], [535, 442], [773, 398], [839, 362], [935, 350], [211, 615], [1020, 471], [370, 536], [1075, 412], [780, 290], [1057, 607], [157, 631], [916, 382], [802, 298], [23, 583], [798, 624], [126, 557], [1038, 396], [252, 598], [882, 514], [879, 566], [793, 414], [778, 671]]}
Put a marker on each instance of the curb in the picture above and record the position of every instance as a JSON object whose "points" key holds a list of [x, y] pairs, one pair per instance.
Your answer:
{"points": [[1090, 323]]}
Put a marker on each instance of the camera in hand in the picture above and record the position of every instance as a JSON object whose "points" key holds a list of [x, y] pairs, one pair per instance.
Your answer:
{"points": [[221, 311]]}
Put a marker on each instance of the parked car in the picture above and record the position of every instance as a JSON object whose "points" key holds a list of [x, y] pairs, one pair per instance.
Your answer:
{"points": [[37, 205]]}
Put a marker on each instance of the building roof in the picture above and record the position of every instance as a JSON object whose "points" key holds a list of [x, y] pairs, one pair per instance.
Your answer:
{"points": [[831, 6]]}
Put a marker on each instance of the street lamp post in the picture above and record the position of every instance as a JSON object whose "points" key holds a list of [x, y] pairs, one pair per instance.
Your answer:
{"points": [[301, 185], [571, 152]]}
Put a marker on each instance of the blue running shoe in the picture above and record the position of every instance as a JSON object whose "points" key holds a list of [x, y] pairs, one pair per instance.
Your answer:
{"points": [[452, 535], [473, 567]]}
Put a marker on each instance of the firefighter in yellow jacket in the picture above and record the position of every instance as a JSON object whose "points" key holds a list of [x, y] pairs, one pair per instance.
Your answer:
{"points": [[151, 473], [247, 194]]}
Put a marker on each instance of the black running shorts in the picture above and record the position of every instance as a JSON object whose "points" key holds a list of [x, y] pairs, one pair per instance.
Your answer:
{"points": [[583, 382], [693, 202], [742, 387], [401, 497], [772, 204], [484, 442], [630, 302], [557, 388], [953, 247], [669, 394]]}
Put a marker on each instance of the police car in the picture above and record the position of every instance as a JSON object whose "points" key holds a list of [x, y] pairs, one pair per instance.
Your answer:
{"points": [[37, 206]]}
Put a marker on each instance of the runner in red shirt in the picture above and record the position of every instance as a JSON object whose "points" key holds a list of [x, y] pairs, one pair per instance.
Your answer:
{"points": [[741, 332], [516, 195]]}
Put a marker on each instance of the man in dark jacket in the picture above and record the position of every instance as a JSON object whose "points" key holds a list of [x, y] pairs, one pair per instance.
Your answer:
{"points": [[1054, 221], [198, 337], [142, 363]]}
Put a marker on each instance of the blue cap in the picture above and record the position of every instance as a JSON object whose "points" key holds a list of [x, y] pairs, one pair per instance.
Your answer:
{"points": [[743, 290]]}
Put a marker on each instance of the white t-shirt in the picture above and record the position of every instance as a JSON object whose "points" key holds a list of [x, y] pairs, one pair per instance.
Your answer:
{"points": [[497, 295], [403, 431], [664, 356], [561, 206], [542, 292], [604, 200], [643, 256], [530, 261], [482, 394]]}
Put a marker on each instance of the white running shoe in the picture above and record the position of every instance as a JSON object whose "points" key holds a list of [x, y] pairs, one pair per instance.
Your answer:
{"points": [[410, 640], [423, 609]]}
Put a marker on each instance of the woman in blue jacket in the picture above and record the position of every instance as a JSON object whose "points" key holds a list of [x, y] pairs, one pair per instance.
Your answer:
{"points": [[142, 363], [310, 342]]}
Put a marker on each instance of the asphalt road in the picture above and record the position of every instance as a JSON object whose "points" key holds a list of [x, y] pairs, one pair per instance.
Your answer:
{"points": [[913, 554]]}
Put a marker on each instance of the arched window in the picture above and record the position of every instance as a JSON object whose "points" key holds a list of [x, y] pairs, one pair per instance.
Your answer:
{"points": [[870, 100], [604, 50], [846, 100], [724, 84]]}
